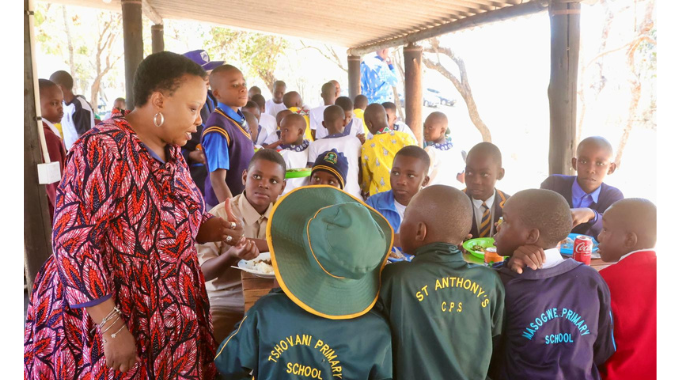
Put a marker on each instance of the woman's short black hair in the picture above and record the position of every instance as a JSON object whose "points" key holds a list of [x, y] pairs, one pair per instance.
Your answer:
{"points": [[162, 72]]}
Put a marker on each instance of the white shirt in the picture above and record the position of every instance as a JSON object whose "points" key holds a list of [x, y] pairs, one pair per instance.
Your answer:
{"points": [[350, 146], [479, 211], [553, 258], [630, 253], [401, 209], [294, 160], [273, 108], [445, 165], [268, 122], [355, 128], [316, 117], [67, 123]]}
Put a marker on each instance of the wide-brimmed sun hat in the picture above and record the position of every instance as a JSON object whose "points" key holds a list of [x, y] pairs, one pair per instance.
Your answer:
{"points": [[328, 249]]}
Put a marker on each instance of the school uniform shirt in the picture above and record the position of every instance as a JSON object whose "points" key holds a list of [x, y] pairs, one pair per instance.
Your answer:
{"points": [[272, 108], [268, 122], [598, 201], [316, 117], [446, 162], [377, 156], [352, 129], [350, 146], [444, 313], [296, 157], [227, 145], [78, 118], [279, 340], [495, 203], [558, 322], [57, 152], [632, 283], [377, 80]]}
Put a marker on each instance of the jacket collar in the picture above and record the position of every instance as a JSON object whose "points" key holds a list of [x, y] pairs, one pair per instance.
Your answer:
{"points": [[439, 253]]}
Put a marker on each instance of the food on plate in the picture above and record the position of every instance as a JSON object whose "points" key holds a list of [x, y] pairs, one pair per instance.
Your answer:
{"points": [[262, 266], [299, 170], [478, 248]]}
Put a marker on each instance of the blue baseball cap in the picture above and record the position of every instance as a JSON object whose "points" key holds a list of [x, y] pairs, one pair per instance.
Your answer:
{"points": [[202, 58], [333, 162]]}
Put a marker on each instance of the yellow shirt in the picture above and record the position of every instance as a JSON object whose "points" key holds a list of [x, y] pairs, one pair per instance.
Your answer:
{"points": [[358, 112], [377, 155], [226, 290], [58, 126], [308, 130]]}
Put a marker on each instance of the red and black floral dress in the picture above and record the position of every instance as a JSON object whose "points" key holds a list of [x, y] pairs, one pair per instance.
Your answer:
{"points": [[124, 228]]}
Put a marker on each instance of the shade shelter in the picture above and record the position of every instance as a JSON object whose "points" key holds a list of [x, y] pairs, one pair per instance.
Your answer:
{"points": [[362, 25]]}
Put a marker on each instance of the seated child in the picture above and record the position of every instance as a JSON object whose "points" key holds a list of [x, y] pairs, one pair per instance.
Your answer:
{"points": [[273, 141], [558, 318], [627, 239], [407, 178], [316, 114], [293, 101], [267, 121], [377, 153], [484, 166], [587, 195], [447, 163], [330, 168], [360, 104], [319, 325], [263, 131], [294, 147], [253, 127], [52, 110], [226, 138], [445, 313], [352, 124], [350, 146], [264, 182], [394, 124]]}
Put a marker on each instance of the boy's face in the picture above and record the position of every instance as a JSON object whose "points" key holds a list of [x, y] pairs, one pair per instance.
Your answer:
{"points": [[52, 104], [264, 182], [291, 131], [322, 177], [481, 174], [252, 92], [434, 129], [510, 234], [348, 116], [612, 238], [254, 127], [391, 117], [408, 176], [231, 89], [120, 104], [279, 91], [592, 165], [255, 111]]}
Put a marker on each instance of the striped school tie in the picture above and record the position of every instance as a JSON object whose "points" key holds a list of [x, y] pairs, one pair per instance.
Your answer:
{"points": [[485, 226]]}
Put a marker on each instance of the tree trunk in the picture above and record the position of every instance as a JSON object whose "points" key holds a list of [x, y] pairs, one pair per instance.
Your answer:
{"points": [[69, 42]]}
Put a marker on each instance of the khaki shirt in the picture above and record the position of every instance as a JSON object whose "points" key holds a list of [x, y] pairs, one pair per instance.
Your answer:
{"points": [[226, 290]]}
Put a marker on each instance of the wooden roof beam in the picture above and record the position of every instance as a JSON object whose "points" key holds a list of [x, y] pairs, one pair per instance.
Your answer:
{"points": [[151, 13]]}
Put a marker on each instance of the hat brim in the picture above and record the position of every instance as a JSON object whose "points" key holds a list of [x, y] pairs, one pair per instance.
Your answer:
{"points": [[305, 283], [212, 65]]}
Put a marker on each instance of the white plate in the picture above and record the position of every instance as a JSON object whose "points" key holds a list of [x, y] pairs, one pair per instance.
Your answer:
{"points": [[249, 266]]}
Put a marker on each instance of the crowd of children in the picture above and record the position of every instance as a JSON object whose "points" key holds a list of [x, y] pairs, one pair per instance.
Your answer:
{"points": [[342, 311]]}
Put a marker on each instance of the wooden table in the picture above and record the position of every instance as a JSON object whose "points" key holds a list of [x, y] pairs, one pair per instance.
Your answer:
{"points": [[255, 287]]}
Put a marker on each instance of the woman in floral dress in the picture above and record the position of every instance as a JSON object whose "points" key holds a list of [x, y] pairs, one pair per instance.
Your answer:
{"points": [[127, 216]]}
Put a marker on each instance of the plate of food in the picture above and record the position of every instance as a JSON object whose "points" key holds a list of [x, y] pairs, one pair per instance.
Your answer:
{"points": [[476, 247], [567, 245], [298, 173], [260, 266]]}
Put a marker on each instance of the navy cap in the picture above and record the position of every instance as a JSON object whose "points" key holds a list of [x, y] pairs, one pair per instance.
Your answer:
{"points": [[202, 58], [333, 162]]}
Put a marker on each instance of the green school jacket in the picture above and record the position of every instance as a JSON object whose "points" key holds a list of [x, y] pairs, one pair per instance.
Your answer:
{"points": [[445, 314], [278, 340]]}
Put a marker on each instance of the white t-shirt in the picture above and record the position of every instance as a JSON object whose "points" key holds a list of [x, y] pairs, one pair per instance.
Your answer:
{"points": [[401, 209], [268, 122], [355, 128], [77, 112], [316, 117], [273, 108], [445, 166], [294, 160], [350, 146]]}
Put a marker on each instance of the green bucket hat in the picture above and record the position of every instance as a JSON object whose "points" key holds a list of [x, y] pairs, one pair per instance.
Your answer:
{"points": [[328, 249]]}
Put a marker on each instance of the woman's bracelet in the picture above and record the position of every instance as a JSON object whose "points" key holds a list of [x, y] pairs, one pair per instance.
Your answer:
{"points": [[111, 325], [114, 311], [113, 336]]}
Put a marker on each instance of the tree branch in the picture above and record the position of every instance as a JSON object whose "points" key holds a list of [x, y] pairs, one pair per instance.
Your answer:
{"points": [[335, 60]]}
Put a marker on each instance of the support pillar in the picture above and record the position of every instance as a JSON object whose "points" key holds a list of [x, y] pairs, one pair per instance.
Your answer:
{"points": [[564, 47], [37, 224], [157, 42], [133, 44], [413, 71], [354, 75]]}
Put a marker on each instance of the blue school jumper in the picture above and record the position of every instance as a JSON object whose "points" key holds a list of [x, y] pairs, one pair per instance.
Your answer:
{"points": [[227, 145], [197, 169], [558, 323]]}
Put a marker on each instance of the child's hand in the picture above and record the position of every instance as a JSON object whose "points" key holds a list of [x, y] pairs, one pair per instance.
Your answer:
{"points": [[531, 256], [362, 138], [581, 215], [244, 251]]}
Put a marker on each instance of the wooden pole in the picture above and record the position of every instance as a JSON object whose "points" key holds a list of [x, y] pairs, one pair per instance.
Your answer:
{"points": [[413, 56], [133, 44], [37, 224], [354, 74], [157, 42], [562, 91]]}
